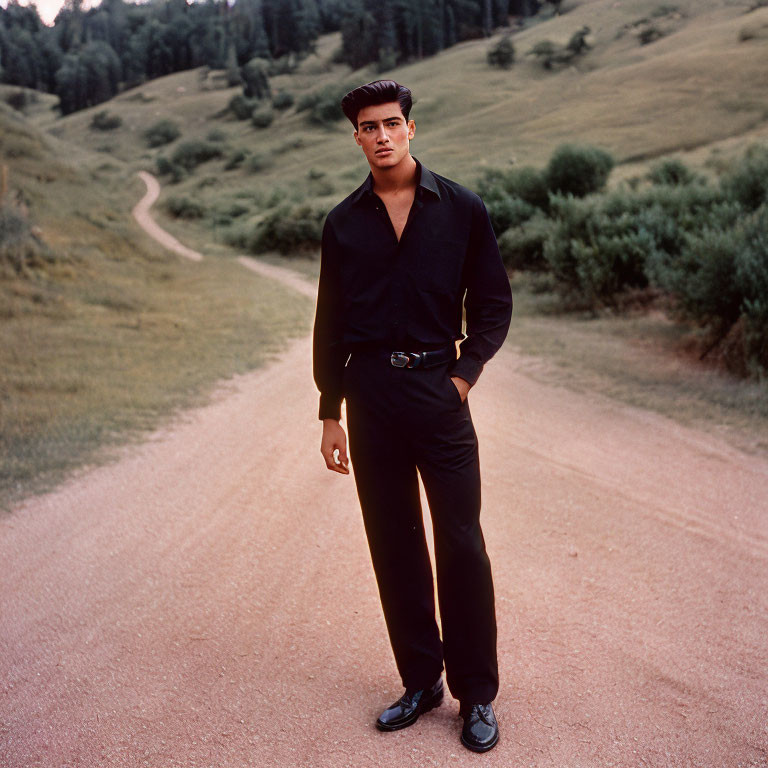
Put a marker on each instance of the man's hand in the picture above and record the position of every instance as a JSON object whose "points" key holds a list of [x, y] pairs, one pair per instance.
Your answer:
{"points": [[462, 385], [334, 438]]}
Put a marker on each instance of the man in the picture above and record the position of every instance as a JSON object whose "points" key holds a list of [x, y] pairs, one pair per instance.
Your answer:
{"points": [[398, 255]]}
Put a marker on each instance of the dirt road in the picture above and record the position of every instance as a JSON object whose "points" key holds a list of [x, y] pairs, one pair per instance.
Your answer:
{"points": [[208, 600]]}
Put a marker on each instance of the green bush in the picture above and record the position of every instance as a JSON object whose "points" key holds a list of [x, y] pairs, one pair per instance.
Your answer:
{"points": [[184, 208], [262, 116], [702, 278], [20, 247], [234, 210], [752, 283], [289, 230], [603, 245], [216, 134], [526, 183], [546, 52], [672, 172], [258, 161], [595, 251], [161, 133], [324, 104], [578, 170], [747, 182], [522, 247], [506, 211], [167, 168], [190, 154], [502, 54], [650, 33], [236, 159], [282, 100], [241, 107], [255, 76], [103, 121]]}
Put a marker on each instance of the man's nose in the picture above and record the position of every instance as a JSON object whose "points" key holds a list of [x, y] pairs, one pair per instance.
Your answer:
{"points": [[381, 135]]}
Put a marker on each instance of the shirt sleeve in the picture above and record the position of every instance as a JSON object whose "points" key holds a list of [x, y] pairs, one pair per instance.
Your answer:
{"points": [[488, 300], [328, 355]]}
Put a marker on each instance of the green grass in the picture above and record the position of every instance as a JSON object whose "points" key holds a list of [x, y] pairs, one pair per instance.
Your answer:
{"points": [[89, 363]]}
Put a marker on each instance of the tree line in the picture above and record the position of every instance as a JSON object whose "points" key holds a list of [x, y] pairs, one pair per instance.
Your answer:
{"points": [[87, 56]]}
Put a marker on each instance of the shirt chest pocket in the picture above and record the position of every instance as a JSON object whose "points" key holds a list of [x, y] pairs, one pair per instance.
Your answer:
{"points": [[439, 264]]}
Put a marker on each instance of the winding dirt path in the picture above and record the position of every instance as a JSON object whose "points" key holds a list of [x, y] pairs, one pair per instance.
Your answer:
{"points": [[208, 600]]}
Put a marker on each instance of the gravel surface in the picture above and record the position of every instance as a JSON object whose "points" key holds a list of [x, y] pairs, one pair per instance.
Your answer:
{"points": [[208, 599]]}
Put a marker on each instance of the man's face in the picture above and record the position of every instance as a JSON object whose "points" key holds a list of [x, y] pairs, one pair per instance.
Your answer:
{"points": [[383, 133]]}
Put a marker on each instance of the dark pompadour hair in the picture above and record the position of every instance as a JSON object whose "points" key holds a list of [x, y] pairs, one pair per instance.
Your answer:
{"points": [[376, 92]]}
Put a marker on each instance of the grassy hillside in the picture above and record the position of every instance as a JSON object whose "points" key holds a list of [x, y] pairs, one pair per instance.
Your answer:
{"points": [[699, 92], [698, 85], [108, 333]]}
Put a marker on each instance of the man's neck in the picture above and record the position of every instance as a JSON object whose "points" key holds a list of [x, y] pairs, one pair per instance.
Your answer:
{"points": [[396, 178]]}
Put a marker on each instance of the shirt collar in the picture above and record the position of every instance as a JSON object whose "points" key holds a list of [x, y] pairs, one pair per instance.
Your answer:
{"points": [[425, 180]]}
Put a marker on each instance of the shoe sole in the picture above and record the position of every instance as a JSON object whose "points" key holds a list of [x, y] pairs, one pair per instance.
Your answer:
{"points": [[476, 748], [420, 710]]}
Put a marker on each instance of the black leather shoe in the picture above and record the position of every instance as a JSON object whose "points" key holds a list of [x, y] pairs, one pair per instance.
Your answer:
{"points": [[481, 731], [406, 710]]}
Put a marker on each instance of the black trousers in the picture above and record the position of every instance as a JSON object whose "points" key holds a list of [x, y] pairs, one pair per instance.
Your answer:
{"points": [[400, 420]]}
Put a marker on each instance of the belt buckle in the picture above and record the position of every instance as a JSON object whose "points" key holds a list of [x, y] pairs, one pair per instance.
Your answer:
{"points": [[400, 359]]}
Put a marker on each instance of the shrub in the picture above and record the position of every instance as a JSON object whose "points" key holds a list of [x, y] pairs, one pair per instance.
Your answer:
{"points": [[234, 210], [522, 247], [184, 208], [648, 34], [507, 211], [702, 278], [161, 133], [502, 54], [216, 134], [166, 167], [752, 283], [525, 183], [324, 104], [578, 170], [672, 172], [262, 116], [20, 246], [595, 252], [282, 100], [236, 159], [103, 121], [546, 52], [258, 161], [241, 107], [190, 154], [747, 182], [578, 45], [255, 76], [289, 230]]}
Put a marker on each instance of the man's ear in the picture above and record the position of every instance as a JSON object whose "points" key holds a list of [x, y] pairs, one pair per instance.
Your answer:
{"points": [[357, 138], [411, 129]]}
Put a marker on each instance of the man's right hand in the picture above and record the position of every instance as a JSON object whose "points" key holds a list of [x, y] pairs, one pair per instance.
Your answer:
{"points": [[334, 438]]}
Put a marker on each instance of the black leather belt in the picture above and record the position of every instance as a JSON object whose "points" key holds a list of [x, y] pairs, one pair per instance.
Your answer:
{"points": [[425, 359], [407, 359]]}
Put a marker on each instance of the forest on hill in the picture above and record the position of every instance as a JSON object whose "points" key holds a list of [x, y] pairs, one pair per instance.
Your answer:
{"points": [[88, 56]]}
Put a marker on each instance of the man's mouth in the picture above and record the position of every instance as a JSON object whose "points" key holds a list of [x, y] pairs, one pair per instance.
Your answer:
{"points": [[382, 151]]}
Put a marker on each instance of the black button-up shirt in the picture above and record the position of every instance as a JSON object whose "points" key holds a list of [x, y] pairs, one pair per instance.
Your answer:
{"points": [[408, 294]]}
